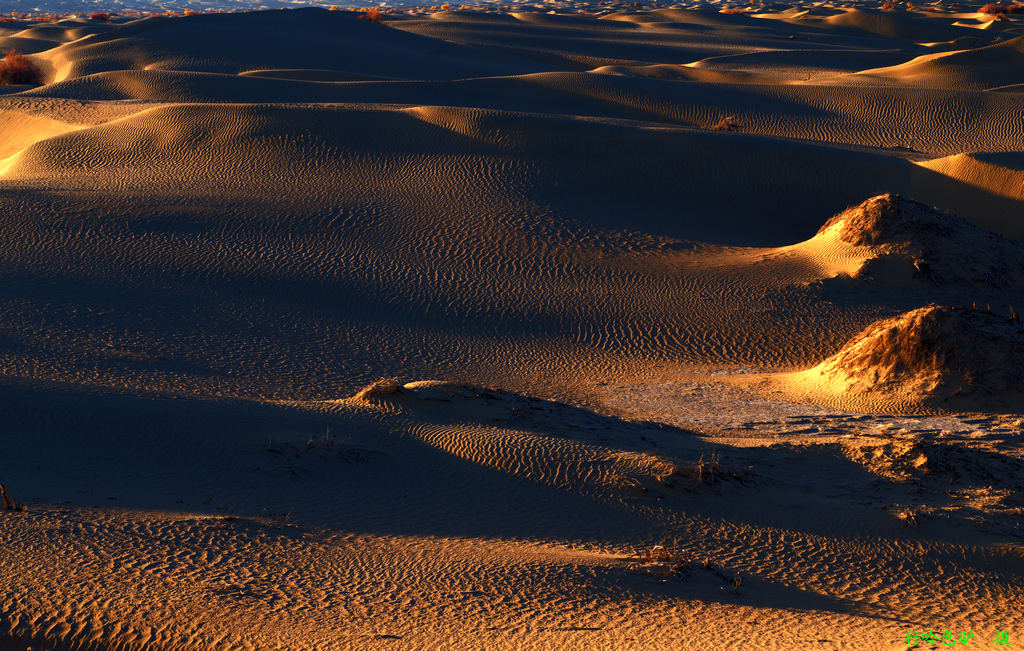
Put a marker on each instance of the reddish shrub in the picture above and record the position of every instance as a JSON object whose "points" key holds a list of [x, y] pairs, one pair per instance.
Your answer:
{"points": [[373, 15], [996, 9], [105, 17], [16, 68]]}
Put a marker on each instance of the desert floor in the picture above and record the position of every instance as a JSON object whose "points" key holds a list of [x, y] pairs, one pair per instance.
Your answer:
{"points": [[639, 403]]}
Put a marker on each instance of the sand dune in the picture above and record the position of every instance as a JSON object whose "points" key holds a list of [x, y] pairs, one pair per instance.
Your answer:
{"points": [[902, 26], [930, 356], [236, 43], [984, 68], [630, 358], [893, 241]]}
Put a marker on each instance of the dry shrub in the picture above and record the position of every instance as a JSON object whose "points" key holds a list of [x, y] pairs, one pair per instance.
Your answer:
{"points": [[996, 9], [728, 123], [101, 16], [732, 12], [16, 68], [702, 472], [665, 562], [908, 515], [373, 15], [670, 562]]}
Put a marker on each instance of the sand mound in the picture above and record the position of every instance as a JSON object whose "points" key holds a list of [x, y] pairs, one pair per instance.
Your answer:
{"points": [[895, 240], [934, 355], [983, 68], [380, 389]]}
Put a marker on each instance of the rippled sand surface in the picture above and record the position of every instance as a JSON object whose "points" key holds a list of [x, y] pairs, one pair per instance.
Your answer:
{"points": [[602, 250]]}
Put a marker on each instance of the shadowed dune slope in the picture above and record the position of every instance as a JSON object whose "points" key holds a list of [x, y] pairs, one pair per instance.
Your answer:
{"points": [[902, 121], [290, 248], [355, 523], [586, 171], [233, 43]]}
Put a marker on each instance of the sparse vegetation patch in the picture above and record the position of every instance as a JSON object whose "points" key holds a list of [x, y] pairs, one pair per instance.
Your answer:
{"points": [[665, 562], [996, 9], [702, 472], [16, 68]]}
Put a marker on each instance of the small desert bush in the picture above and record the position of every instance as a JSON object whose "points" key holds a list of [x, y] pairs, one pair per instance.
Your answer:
{"points": [[995, 9], [662, 561], [670, 562], [16, 68], [702, 472], [728, 123], [101, 16], [908, 515], [373, 15]]}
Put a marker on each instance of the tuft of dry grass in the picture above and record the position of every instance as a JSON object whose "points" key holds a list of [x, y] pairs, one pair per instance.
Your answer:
{"points": [[9, 503], [728, 123], [908, 515], [16, 68], [325, 441], [373, 15]]}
